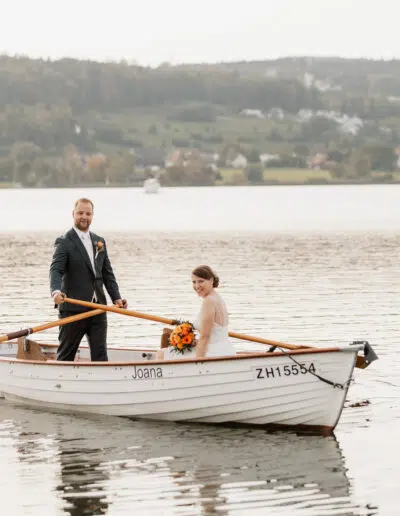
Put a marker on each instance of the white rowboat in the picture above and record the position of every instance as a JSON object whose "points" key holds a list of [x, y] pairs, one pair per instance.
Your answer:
{"points": [[304, 388]]}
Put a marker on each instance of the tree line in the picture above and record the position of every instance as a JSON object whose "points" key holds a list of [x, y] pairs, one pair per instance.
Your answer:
{"points": [[54, 113], [88, 85]]}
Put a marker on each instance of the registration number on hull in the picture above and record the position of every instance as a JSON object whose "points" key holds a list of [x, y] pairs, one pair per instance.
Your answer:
{"points": [[286, 370]]}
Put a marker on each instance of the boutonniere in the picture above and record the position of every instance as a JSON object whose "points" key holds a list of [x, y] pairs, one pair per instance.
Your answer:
{"points": [[99, 247]]}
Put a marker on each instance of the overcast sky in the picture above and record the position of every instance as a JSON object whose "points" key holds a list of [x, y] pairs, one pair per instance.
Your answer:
{"points": [[153, 31]]}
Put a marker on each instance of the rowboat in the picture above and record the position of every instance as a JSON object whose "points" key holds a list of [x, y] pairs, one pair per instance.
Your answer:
{"points": [[151, 185], [300, 387]]}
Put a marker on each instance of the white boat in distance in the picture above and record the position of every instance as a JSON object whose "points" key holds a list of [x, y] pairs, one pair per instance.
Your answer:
{"points": [[304, 388], [151, 185]]}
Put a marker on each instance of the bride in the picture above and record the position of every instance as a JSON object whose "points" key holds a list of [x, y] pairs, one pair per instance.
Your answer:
{"points": [[212, 322]]}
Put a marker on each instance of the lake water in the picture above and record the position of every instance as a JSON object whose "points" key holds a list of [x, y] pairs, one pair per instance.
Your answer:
{"points": [[314, 264]]}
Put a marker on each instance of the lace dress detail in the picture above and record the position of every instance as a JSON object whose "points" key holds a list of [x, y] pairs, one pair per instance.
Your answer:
{"points": [[219, 343]]}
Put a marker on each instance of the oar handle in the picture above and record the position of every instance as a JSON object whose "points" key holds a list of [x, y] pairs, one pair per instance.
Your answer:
{"points": [[123, 311], [60, 322]]}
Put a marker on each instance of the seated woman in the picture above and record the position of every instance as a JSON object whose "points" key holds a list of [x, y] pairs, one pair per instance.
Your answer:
{"points": [[212, 322]]}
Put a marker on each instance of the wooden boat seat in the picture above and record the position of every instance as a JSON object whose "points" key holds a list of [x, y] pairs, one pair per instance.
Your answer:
{"points": [[31, 350], [165, 337]]}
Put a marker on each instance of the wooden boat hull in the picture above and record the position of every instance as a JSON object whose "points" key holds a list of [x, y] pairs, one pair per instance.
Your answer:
{"points": [[267, 389]]}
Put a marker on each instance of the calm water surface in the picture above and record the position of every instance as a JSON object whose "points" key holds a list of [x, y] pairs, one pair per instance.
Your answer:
{"points": [[316, 265]]}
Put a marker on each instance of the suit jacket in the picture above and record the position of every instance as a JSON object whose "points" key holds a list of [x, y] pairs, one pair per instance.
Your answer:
{"points": [[71, 271]]}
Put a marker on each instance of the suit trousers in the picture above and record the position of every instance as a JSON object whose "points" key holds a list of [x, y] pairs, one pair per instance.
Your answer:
{"points": [[71, 334]]}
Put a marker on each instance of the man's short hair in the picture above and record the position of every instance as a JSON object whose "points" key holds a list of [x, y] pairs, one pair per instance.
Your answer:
{"points": [[85, 200]]}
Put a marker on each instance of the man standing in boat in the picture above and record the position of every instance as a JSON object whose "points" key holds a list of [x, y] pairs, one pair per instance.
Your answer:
{"points": [[79, 269]]}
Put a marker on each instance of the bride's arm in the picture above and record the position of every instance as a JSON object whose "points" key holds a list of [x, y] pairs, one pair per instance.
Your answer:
{"points": [[207, 316]]}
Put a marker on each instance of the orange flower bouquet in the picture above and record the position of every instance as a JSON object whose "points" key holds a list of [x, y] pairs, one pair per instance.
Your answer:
{"points": [[182, 337]]}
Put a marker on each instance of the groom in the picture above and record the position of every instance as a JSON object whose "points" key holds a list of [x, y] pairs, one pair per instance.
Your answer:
{"points": [[79, 269]]}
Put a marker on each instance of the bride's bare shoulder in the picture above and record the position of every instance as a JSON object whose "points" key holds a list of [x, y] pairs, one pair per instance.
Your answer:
{"points": [[208, 301]]}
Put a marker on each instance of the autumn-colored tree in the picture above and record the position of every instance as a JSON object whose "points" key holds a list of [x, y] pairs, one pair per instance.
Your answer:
{"points": [[23, 155]]}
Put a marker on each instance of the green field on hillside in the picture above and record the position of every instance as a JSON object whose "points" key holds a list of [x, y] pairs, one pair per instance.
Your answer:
{"points": [[280, 175]]}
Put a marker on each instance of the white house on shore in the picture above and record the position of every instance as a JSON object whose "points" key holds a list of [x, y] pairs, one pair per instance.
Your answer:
{"points": [[253, 113], [239, 161]]}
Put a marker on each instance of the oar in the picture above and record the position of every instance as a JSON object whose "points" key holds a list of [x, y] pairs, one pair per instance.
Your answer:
{"points": [[123, 311], [361, 361], [172, 322], [59, 322]]}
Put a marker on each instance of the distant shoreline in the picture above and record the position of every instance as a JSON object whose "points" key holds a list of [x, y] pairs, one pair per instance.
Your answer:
{"points": [[270, 183]]}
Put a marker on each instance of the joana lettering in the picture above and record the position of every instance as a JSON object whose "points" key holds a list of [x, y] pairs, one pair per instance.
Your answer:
{"points": [[144, 373]]}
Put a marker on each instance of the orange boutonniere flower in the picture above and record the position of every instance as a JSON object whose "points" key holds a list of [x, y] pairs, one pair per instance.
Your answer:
{"points": [[182, 337], [99, 247]]}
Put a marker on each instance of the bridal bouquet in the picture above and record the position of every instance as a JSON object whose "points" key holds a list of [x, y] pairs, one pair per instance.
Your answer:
{"points": [[182, 337]]}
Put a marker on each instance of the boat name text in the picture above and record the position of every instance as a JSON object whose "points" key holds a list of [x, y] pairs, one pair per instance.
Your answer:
{"points": [[286, 370], [144, 373]]}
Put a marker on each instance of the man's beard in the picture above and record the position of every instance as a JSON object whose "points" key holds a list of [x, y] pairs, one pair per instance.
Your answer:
{"points": [[83, 226]]}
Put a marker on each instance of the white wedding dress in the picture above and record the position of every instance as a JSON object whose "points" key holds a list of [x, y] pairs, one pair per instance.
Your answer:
{"points": [[218, 344]]}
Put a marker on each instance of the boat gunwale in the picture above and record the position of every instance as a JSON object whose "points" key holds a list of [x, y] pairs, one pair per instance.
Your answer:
{"points": [[151, 363]]}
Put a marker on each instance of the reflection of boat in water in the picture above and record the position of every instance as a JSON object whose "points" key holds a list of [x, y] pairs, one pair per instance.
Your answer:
{"points": [[102, 464], [151, 185]]}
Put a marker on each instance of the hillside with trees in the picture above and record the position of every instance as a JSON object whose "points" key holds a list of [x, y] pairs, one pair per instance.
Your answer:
{"points": [[70, 122]]}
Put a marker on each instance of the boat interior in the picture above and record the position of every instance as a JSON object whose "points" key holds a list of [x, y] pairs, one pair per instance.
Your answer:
{"points": [[28, 349], [25, 348]]}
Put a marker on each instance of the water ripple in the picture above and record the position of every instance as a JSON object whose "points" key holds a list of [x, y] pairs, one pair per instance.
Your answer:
{"points": [[316, 288]]}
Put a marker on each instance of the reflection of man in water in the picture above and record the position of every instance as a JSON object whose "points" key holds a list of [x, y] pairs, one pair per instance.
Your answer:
{"points": [[79, 477]]}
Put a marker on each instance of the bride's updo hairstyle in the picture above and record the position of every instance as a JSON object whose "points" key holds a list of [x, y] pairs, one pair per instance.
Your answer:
{"points": [[205, 272]]}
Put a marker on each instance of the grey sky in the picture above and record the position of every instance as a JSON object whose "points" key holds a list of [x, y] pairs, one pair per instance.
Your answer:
{"points": [[154, 31]]}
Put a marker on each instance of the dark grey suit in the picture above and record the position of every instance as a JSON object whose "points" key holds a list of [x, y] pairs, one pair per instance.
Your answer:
{"points": [[71, 272]]}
